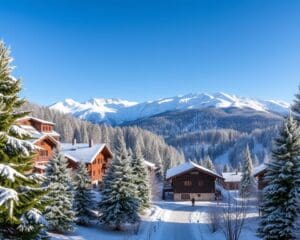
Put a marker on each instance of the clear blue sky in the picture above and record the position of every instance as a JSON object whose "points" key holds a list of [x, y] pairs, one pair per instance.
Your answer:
{"points": [[141, 50]]}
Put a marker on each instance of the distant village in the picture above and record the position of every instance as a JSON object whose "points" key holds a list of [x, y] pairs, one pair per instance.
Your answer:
{"points": [[184, 182], [96, 157]]}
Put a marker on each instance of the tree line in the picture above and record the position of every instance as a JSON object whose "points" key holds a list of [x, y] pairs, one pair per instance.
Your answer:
{"points": [[153, 147]]}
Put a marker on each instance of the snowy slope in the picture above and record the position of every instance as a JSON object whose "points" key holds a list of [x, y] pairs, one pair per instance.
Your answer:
{"points": [[116, 111]]}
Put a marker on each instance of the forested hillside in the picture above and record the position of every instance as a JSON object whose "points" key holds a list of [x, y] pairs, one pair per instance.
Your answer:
{"points": [[153, 147], [221, 133]]}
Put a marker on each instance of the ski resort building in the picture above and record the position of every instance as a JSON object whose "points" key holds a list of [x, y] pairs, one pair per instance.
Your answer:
{"points": [[43, 137], [191, 181], [96, 157], [232, 180], [259, 173]]}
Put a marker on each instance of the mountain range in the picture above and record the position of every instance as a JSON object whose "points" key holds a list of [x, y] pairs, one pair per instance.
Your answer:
{"points": [[118, 111]]}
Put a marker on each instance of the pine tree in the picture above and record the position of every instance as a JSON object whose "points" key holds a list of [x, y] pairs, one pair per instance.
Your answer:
{"points": [[296, 105], [255, 161], [141, 178], [279, 207], [239, 167], [83, 198], [247, 181], [207, 163], [119, 204], [59, 199], [20, 205], [226, 168]]}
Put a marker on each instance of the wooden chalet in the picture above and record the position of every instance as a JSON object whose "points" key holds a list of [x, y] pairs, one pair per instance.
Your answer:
{"points": [[95, 156], [259, 173], [43, 137], [191, 181], [232, 180]]}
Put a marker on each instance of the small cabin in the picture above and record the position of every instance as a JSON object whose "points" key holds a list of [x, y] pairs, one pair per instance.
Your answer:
{"points": [[95, 156], [41, 126], [232, 180], [150, 167], [259, 173], [191, 181], [43, 137]]}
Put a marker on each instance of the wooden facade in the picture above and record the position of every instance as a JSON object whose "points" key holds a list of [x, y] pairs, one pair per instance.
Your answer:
{"points": [[96, 166], [46, 146], [194, 183], [39, 125], [231, 180], [45, 139]]}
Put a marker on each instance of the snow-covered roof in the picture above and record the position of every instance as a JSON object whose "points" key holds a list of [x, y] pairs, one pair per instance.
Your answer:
{"points": [[149, 164], [232, 176], [187, 166], [257, 170], [82, 152], [36, 135], [37, 120]]}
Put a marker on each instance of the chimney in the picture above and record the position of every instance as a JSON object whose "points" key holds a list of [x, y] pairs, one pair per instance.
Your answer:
{"points": [[90, 142], [74, 142]]}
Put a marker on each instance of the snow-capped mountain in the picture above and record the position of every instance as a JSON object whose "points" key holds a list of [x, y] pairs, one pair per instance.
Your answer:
{"points": [[117, 111]]}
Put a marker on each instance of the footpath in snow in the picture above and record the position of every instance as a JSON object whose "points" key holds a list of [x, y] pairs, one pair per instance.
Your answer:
{"points": [[168, 220]]}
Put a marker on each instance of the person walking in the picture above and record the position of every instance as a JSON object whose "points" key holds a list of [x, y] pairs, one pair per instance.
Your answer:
{"points": [[193, 202]]}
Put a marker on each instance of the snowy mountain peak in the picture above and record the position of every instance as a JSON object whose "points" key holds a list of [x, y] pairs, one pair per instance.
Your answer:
{"points": [[116, 111]]}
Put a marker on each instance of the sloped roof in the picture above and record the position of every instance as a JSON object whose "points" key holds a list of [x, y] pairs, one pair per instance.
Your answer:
{"points": [[36, 135], [259, 169], [187, 166], [149, 164], [232, 176], [37, 120], [82, 152]]}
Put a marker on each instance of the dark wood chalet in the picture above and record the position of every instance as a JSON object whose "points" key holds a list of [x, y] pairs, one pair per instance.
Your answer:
{"points": [[191, 181]]}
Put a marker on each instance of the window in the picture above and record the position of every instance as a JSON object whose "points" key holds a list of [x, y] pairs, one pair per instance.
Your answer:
{"points": [[187, 183], [185, 196], [44, 153]]}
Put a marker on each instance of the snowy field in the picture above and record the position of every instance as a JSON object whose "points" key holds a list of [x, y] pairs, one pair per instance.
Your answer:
{"points": [[170, 220]]}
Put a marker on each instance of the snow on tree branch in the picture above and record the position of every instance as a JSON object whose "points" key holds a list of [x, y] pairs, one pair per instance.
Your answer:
{"points": [[25, 147], [30, 219], [20, 132], [8, 197], [9, 173]]}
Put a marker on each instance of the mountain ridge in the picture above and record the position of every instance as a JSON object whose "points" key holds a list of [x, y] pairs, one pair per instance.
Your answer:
{"points": [[116, 111]]}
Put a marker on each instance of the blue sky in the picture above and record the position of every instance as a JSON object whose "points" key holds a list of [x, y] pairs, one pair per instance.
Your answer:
{"points": [[142, 50]]}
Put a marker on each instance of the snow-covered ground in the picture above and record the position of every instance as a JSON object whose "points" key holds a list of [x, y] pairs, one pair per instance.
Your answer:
{"points": [[169, 220]]}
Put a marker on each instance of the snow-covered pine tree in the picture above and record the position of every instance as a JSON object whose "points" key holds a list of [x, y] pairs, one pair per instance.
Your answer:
{"points": [[207, 163], [239, 167], [226, 168], [247, 182], [59, 198], [255, 161], [279, 207], [296, 105], [141, 178], [84, 201], [119, 204], [20, 205]]}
